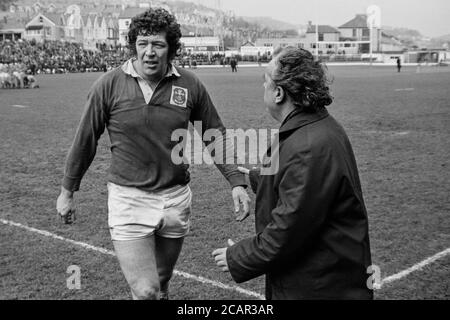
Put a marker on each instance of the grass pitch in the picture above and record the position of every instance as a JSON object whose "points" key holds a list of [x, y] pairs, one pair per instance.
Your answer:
{"points": [[398, 123]]}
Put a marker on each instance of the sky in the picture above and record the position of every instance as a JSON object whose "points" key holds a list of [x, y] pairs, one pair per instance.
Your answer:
{"points": [[431, 18]]}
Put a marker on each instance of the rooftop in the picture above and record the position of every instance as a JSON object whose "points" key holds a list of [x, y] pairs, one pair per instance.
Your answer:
{"points": [[322, 29], [131, 12], [360, 21]]}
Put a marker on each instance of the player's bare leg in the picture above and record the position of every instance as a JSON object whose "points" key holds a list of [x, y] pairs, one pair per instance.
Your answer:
{"points": [[167, 252], [138, 263]]}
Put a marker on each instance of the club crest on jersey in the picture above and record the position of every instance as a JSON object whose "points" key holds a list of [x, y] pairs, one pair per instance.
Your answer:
{"points": [[179, 96]]}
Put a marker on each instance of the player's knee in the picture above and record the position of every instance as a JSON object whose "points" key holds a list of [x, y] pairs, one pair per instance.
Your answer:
{"points": [[146, 291]]}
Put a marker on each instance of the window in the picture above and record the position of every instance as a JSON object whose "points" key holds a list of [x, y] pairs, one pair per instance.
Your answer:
{"points": [[366, 33], [320, 36], [354, 33], [313, 46]]}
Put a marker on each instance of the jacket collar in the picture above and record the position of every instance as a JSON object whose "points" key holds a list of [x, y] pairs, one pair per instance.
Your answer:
{"points": [[298, 118]]}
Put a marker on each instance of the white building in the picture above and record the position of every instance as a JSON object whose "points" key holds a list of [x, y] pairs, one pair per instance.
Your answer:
{"points": [[273, 43], [358, 32], [124, 23], [201, 44], [324, 36], [74, 24], [248, 49]]}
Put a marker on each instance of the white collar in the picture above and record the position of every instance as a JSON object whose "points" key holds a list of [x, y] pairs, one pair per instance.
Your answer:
{"points": [[129, 69]]}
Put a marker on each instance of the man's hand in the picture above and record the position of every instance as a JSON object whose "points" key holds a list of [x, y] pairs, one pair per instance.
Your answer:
{"points": [[220, 256], [240, 196], [65, 206]]}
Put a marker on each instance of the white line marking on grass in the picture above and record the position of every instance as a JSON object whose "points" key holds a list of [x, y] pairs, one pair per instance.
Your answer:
{"points": [[111, 253], [19, 106], [415, 267], [386, 133], [402, 133], [406, 89]]}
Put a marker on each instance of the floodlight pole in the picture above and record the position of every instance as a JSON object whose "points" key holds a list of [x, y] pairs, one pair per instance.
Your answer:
{"points": [[371, 49], [317, 41], [317, 30], [195, 42]]}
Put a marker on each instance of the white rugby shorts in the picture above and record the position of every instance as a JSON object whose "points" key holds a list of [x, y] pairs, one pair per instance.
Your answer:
{"points": [[135, 214]]}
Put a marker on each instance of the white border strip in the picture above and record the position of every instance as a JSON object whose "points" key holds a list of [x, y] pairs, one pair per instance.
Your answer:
{"points": [[415, 267], [111, 253]]}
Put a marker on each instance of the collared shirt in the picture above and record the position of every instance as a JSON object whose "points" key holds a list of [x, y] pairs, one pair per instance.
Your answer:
{"points": [[141, 126], [147, 91]]}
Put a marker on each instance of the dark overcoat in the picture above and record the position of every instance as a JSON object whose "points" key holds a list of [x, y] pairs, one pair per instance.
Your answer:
{"points": [[312, 238]]}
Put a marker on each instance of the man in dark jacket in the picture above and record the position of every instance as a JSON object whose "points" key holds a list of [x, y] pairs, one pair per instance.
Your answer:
{"points": [[233, 64], [312, 238], [399, 64]]}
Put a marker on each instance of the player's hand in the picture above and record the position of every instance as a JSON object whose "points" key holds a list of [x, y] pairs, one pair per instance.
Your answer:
{"points": [[240, 197], [220, 256], [65, 206]]}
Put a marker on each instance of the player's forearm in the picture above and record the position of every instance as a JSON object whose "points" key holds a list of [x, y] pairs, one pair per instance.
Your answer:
{"points": [[84, 146], [78, 162], [232, 174], [225, 158]]}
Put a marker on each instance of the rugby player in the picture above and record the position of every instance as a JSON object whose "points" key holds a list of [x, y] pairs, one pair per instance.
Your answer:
{"points": [[141, 104]]}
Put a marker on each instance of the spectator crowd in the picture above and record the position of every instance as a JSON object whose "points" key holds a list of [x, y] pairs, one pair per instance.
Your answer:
{"points": [[58, 57]]}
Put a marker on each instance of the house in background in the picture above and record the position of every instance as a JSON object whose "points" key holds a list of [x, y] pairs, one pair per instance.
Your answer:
{"points": [[113, 31], [88, 32], [11, 28], [42, 27], [74, 24], [124, 22], [326, 37], [357, 32], [100, 29]]}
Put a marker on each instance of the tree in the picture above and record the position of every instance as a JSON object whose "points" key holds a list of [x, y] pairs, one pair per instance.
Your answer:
{"points": [[4, 4]]}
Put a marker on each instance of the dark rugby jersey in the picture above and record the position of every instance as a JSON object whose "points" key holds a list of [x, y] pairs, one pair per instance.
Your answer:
{"points": [[140, 133]]}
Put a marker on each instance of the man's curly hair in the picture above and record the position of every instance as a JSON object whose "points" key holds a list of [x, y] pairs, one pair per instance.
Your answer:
{"points": [[304, 79], [154, 21]]}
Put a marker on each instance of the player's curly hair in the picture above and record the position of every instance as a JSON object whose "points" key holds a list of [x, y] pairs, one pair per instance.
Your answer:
{"points": [[154, 21], [304, 79]]}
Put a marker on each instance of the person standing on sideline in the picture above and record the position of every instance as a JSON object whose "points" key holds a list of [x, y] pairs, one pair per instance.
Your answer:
{"points": [[312, 234], [233, 64], [141, 104], [399, 64]]}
